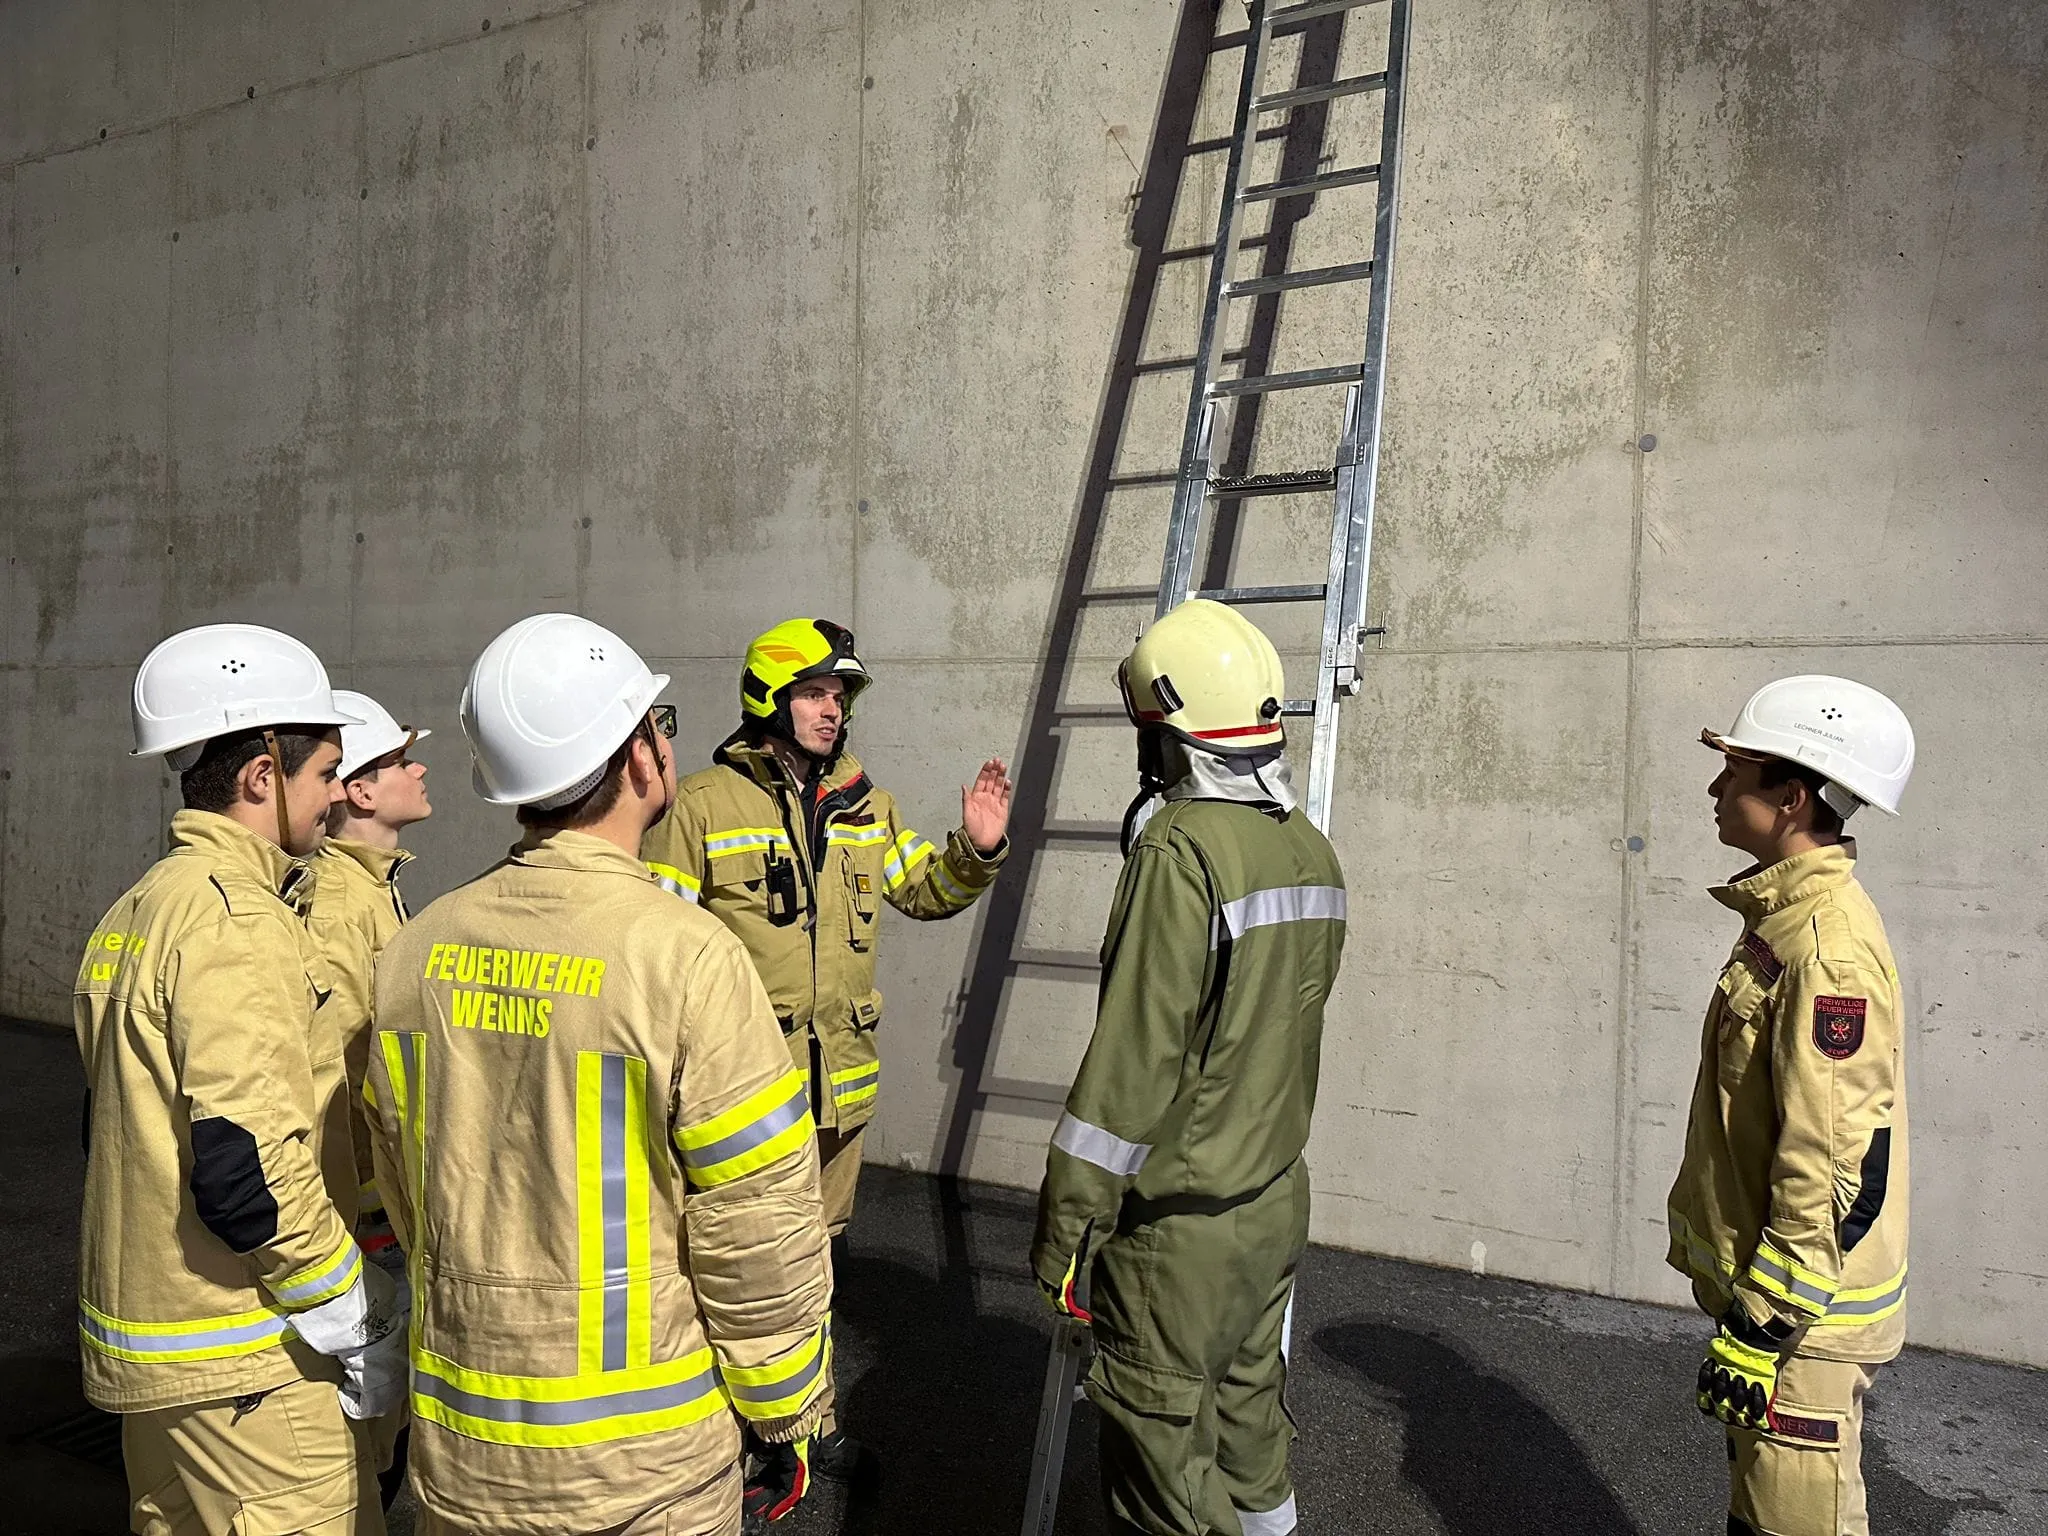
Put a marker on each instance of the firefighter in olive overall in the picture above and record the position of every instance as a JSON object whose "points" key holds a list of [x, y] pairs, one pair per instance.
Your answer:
{"points": [[591, 1142], [1789, 1214], [356, 908], [225, 1310], [788, 843], [1175, 1184]]}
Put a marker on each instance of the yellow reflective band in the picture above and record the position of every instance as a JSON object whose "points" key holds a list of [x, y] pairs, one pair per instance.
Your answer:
{"points": [[206, 1338], [584, 1409], [1698, 1249], [720, 845], [856, 1084], [323, 1282], [614, 1242], [1791, 1282], [785, 1388], [1871, 1304], [405, 1061], [676, 882], [950, 888], [755, 1132], [871, 836], [910, 851]]}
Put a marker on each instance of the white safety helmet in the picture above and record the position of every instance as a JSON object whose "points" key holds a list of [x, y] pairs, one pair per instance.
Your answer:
{"points": [[220, 679], [1854, 736], [1209, 675], [377, 736], [547, 704]]}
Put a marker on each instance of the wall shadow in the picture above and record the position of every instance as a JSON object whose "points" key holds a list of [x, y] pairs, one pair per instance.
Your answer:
{"points": [[1486, 1456]]}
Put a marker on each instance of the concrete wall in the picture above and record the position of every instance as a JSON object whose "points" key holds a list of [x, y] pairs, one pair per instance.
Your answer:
{"points": [[389, 321]]}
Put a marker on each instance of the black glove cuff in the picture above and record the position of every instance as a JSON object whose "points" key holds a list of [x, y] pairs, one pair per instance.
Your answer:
{"points": [[1770, 1337]]}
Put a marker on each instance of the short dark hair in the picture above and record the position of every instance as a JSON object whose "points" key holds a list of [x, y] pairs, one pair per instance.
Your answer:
{"points": [[603, 795], [210, 783], [1775, 771]]}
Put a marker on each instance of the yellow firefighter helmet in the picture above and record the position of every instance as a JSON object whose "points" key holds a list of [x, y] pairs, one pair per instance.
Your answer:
{"points": [[1209, 675], [793, 652]]}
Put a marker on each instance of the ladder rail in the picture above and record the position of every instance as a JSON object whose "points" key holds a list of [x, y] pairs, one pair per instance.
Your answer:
{"points": [[1359, 457], [1191, 494]]}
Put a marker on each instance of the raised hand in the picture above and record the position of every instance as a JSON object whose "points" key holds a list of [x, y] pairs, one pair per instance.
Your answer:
{"points": [[985, 807]]}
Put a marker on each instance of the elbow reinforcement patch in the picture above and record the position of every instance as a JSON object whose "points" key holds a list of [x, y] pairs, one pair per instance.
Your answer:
{"points": [[1876, 1174], [227, 1186]]}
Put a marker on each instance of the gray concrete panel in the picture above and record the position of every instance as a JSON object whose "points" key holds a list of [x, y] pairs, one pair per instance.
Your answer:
{"points": [[86, 388], [719, 318], [1848, 359], [225, 47], [467, 330], [263, 367], [81, 827], [70, 68], [996, 175]]}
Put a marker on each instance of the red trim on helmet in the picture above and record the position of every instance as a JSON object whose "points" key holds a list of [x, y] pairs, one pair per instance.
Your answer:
{"points": [[1237, 730]]}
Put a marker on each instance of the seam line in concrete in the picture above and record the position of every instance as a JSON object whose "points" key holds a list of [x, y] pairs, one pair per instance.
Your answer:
{"points": [[309, 82], [1620, 1247], [857, 534]]}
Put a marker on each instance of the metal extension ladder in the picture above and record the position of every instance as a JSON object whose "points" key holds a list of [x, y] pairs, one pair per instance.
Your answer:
{"points": [[1351, 478]]}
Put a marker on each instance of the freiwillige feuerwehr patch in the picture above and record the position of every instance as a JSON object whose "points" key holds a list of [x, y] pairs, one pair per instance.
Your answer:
{"points": [[1838, 1025]]}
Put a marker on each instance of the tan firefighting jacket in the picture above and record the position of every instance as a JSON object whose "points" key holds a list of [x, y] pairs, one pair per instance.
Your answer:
{"points": [[800, 877], [220, 1183], [355, 910], [603, 1169], [1793, 1195]]}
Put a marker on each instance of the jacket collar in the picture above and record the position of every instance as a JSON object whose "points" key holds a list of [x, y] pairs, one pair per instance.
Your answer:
{"points": [[1757, 893], [578, 851], [225, 842], [382, 864], [765, 768]]}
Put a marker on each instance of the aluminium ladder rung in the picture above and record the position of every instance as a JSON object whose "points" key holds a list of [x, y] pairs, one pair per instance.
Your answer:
{"points": [[1307, 186], [1233, 487], [1312, 9], [1280, 101], [1313, 277], [1267, 383], [1310, 592], [1298, 706]]}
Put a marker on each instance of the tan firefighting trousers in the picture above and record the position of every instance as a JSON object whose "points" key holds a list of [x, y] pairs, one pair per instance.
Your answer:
{"points": [[838, 1176], [287, 1462], [712, 1510], [1804, 1478]]}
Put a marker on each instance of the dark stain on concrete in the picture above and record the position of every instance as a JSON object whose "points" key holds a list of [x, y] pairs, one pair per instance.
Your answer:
{"points": [[118, 494]]}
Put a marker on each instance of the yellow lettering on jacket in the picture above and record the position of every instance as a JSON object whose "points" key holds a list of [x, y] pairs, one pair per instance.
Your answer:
{"points": [[118, 944], [501, 1013], [547, 972]]}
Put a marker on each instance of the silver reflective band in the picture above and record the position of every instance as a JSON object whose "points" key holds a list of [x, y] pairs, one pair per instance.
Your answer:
{"points": [[1092, 1144], [1804, 1290], [795, 1382], [1841, 1311], [197, 1337], [676, 888], [748, 1137], [612, 1158], [580, 1410], [1270, 1522], [1285, 904], [326, 1280]]}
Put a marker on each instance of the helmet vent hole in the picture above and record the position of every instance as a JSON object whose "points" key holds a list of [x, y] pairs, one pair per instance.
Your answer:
{"points": [[232, 666], [1831, 713], [596, 653]]}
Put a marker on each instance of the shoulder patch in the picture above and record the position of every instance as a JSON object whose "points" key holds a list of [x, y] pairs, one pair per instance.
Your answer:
{"points": [[1838, 1026], [1763, 957]]}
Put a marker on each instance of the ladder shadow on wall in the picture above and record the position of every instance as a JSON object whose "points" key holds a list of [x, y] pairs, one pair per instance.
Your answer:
{"points": [[1034, 956]]}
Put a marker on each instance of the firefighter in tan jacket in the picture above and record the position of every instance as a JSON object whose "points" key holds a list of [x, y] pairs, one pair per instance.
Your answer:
{"points": [[1789, 1214], [787, 842], [591, 1141], [222, 1297], [356, 908]]}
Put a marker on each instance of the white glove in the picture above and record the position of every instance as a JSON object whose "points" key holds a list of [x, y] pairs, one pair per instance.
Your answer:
{"points": [[365, 1329]]}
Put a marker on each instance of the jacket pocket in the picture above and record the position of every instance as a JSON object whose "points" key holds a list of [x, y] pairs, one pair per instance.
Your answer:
{"points": [[863, 891], [743, 871], [1152, 1391], [1741, 1011]]}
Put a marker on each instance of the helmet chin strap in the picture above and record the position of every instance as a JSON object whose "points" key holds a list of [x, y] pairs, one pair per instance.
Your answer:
{"points": [[1153, 779], [284, 829]]}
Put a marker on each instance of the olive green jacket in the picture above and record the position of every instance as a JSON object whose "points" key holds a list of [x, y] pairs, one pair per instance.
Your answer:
{"points": [[1200, 1080], [799, 876]]}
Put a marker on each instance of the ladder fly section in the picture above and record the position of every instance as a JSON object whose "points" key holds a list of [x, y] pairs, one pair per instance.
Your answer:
{"points": [[1210, 499], [1354, 471]]}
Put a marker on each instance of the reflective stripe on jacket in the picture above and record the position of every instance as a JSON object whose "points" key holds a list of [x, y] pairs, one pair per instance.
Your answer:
{"points": [[604, 1171], [1200, 1080], [355, 910], [1793, 1193], [801, 885], [220, 1183]]}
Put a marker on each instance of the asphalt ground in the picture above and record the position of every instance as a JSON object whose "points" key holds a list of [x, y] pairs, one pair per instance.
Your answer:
{"points": [[1428, 1401]]}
